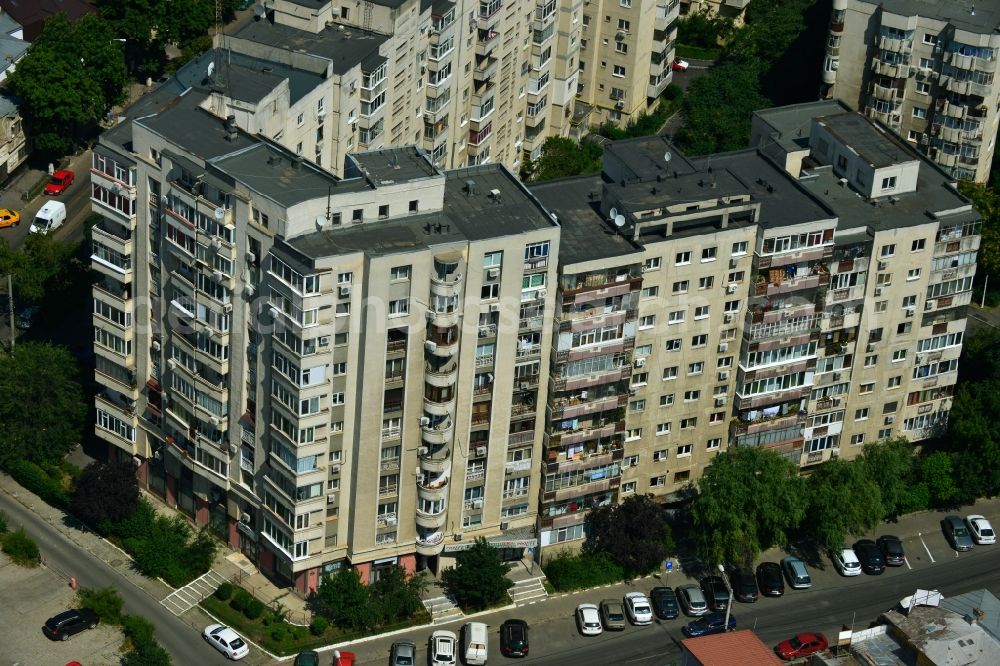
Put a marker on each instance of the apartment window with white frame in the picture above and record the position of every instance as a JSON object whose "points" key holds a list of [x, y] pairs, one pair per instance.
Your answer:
{"points": [[858, 439], [709, 253], [682, 258], [640, 379], [701, 312], [670, 373], [637, 406], [696, 368], [662, 429], [399, 273], [649, 292], [676, 317], [699, 340], [674, 344], [691, 395], [706, 282], [887, 250], [683, 450], [666, 400], [633, 434], [680, 287], [651, 264], [861, 414], [913, 274], [647, 321], [658, 481], [660, 455], [399, 307], [643, 351], [628, 488], [918, 245], [713, 443], [739, 248], [618, 71]]}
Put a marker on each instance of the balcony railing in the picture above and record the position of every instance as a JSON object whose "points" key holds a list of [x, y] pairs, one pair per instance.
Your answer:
{"points": [[513, 493], [517, 438], [391, 433], [386, 519]]}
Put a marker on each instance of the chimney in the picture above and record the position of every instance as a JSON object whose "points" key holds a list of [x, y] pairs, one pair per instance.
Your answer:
{"points": [[230, 125]]}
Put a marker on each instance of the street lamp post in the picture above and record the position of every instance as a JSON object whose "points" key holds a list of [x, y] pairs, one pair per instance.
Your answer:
{"points": [[729, 588]]}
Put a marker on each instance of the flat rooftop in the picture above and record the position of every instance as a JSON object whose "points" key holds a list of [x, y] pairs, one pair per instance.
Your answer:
{"points": [[184, 123], [250, 79], [645, 156], [959, 13], [466, 217], [584, 233], [395, 165], [877, 147], [345, 47], [793, 123]]}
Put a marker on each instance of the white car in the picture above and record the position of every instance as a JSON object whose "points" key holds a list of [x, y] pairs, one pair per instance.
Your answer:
{"points": [[981, 529], [443, 648], [638, 609], [226, 641], [588, 620], [846, 562]]}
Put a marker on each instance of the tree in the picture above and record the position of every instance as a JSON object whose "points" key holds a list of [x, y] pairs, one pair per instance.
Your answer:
{"points": [[634, 533], [987, 203], [718, 108], [105, 601], [40, 267], [344, 600], [106, 492], [889, 464], [71, 76], [395, 596], [563, 157], [43, 410], [843, 500], [479, 578], [749, 499], [936, 471]]}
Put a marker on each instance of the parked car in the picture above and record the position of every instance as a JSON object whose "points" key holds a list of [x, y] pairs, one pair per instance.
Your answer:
{"points": [[892, 550], [744, 585], [442, 647], [713, 623], [716, 593], [801, 645], [9, 218], [637, 608], [404, 653], [680, 65], [846, 562], [769, 579], [664, 602], [956, 533], [692, 600], [226, 641], [870, 557], [311, 658], [982, 531], [612, 615], [341, 658], [514, 638], [588, 620], [796, 573], [60, 627], [60, 180]]}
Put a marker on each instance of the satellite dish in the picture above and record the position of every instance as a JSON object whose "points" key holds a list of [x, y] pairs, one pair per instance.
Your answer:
{"points": [[258, 10], [319, 221], [619, 221], [667, 156], [613, 213], [211, 69], [220, 213]]}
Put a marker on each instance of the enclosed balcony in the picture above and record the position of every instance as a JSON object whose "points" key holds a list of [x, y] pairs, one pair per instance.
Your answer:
{"points": [[439, 401], [431, 543], [442, 341]]}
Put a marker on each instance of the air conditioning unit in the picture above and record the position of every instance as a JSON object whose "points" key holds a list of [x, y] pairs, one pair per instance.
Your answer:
{"points": [[493, 273], [639, 362], [728, 318], [345, 290], [423, 451], [227, 307], [909, 312], [218, 275], [720, 401], [540, 293], [216, 420], [457, 536], [883, 266], [495, 307], [251, 258], [425, 421], [723, 347], [504, 525], [583, 395], [620, 104], [723, 375], [323, 341], [836, 376], [155, 345], [481, 451], [731, 288], [732, 263], [172, 363], [889, 420], [331, 498], [245, 518], [335, 469], [878, 291], [430, 346], [477, 504]]}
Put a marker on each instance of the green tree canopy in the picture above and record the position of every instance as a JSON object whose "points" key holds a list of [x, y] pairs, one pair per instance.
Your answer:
{"points": [[563, 157], [937, 473], [479, 578], [749, 499], [987, 202], [106, 492], [395, 595], [72, 75], [889, 464], [718, 106], [43, 410], [344, 600], [634, 533], [843, 500]]}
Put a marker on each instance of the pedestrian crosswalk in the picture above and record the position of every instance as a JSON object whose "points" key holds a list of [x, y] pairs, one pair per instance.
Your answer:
{"points": [[183, 599]]}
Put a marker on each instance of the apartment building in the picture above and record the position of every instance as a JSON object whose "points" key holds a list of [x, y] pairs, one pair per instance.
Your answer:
{"points": [[924, 69], [624, 65], [733, 9]]}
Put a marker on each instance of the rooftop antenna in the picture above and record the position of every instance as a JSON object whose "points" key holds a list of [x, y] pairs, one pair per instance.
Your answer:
{"points": [[667, 157], [329, 194], [613, 213]]}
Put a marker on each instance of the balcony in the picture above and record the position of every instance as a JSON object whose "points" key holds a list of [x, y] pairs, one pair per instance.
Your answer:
{"points": [[530, 323], [585, 434], [568, 408], [520, 438], [389, 464], [434, 459], [559, 461], [446, 285], [518, 466], [430, 545], [487, 40], [528, 351], [597, 486], [484, 361], [386, 520], [433, 491], [514, 493], [432, 521], [765, 423], [475, 474], [443, 376], [438, 434], [445, 318], [783, 329], [443, 342], [486, 68], [439, 408]]}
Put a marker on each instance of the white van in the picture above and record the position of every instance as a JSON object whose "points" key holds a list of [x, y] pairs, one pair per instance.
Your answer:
{"points": [[49, 217], [474, 643]]}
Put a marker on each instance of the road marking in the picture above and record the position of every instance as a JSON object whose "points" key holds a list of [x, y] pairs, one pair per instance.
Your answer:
{"points": [[920, 536], [906, 559]]}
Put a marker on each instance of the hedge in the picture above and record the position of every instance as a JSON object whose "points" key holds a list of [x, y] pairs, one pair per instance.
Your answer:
{"points": [[38, 481]]}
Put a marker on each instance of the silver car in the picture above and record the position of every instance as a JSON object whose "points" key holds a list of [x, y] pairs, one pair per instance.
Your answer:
{"points": [[956, 533], [692, 599], [404, 653]]}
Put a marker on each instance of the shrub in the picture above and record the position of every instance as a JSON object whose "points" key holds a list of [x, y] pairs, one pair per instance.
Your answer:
{"points": [[567, 571], [35, 479], [138, 629], [241, 599], [3, 522], [254, 609], [278, 632], [318, 625], [21, 548], [147, 654], [224, 591], [105, 601]]}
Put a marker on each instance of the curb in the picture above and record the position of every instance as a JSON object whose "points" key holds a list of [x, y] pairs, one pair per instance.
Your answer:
{"points": [[218, 621]]}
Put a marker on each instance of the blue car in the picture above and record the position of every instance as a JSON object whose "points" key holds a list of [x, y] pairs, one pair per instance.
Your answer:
{"points": [[713, 623]]}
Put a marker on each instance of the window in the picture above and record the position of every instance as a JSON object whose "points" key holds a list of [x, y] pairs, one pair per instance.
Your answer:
{"points": [[881, 306], [492, 259], [918, 112], [708, 254], [713, 443], [647, 321], [923, 88], [858, 439], [637, 406], [670, 373], [619, 70], [871, 360], [345, 278], [699, 340], [689, 423], [707, 282], [918, 245], [861, 414], [887, 250], [623, 25], [701, 312], [894, 382], [658, 481], [640, 378], [673, 345], [739, 248], [643, 350], [676, 317], [621, 47], [691, 395], [649, 292], [696, 368], [682, 258], [383, 211], [628, 488], [683, 450], [899, 355], [930, 39], [866, 387], [651, 264], [633, 434], [399, 273], [885, 433], [489, 291], [662, 429], [913, 274], [716, 417], [659, 456], [399, 307], [666, 399], [910, 301], [680, 287]]}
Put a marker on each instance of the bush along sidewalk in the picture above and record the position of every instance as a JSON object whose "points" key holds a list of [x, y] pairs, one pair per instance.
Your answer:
{"points": [[142, 645]]}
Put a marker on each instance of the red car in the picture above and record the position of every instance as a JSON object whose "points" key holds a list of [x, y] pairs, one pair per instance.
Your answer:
{"points": [[680, 65], [801, 645], [61, 179]]}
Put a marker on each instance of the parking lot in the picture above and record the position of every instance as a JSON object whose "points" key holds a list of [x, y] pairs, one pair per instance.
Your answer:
{"points": [[30, 597]]}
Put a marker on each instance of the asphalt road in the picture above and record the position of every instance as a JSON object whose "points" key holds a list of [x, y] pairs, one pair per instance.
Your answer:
{"points": [[182, 641], [76, 198]]}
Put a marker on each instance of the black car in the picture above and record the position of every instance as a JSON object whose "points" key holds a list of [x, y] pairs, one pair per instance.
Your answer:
{"points": [[769, 579], [716, 593], [892, 550], [664, 603], [870, 557], [744, 585], [67, 623], [514, 638]]}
